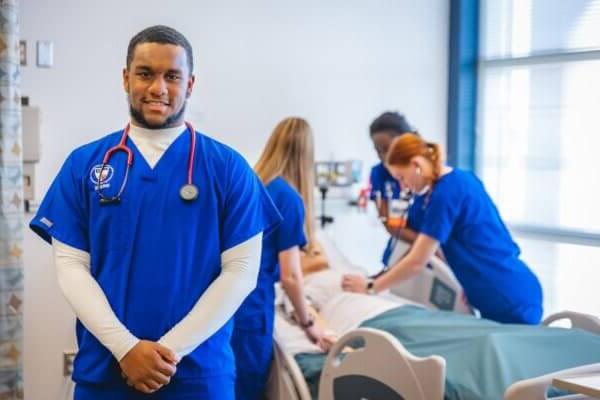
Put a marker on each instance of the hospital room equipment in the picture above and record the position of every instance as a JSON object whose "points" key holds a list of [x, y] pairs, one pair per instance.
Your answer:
{"points": [[400, 374], [334, 174], [188, 192], [435, 286]]}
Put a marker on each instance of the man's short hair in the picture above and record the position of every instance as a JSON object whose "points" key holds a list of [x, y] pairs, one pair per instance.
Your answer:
{"points": [[161, 34]]}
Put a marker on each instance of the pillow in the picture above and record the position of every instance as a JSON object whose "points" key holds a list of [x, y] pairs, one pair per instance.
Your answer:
{"points": [[322, 286]]}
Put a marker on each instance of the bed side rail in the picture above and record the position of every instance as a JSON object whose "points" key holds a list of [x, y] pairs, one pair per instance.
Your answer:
{"points": [[385, 360], [535, 388], [583, 321]]}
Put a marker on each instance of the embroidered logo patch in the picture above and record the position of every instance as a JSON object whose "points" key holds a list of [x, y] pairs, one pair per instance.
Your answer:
{"points": [[107, 174]]}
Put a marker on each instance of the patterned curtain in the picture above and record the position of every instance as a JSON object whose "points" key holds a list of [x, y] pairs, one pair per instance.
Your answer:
{"points": [[11, 207]]}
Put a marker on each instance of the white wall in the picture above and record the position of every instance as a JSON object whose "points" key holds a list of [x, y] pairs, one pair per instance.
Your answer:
{"points": [[337, 63]]}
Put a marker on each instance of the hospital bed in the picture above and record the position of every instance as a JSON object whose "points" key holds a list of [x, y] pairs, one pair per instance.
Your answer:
{"points": [[399, 374]]}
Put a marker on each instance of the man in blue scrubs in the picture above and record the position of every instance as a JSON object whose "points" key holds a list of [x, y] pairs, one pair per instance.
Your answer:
{"points": [[155, 257]]}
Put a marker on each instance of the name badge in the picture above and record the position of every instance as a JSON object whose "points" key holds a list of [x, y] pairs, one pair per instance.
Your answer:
{"points": [[397, 213]]}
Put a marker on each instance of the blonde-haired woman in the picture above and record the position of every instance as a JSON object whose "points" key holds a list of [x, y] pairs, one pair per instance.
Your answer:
{"points": [[286, 169], [453, 210]]}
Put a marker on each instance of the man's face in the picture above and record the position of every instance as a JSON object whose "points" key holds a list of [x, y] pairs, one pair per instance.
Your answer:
{"points": [[158, 83]]}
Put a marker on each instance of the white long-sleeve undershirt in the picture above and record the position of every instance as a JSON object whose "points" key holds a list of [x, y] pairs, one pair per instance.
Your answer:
{"points": [[239, 272], [153, 143], [88, 300]]}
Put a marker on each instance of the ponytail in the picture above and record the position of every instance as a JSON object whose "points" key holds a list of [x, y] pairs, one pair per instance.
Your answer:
{"points": [[434, 155]]}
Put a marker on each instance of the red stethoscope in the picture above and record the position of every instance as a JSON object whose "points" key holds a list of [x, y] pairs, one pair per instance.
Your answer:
{"points": [[188, 192]]}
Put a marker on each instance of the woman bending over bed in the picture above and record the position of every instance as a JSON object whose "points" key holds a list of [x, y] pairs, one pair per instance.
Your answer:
{"points": [[452, 210]]}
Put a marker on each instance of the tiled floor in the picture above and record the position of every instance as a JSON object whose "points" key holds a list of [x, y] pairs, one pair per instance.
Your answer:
{"points": [[570, 274]]}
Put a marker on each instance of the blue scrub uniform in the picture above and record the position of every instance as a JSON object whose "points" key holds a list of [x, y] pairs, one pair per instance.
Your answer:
{"points": [[252, 339], [460, 215], [381, 179], [154, 254]]}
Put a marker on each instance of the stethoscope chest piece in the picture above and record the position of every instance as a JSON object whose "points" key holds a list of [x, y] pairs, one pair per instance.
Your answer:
{"points": [[188, 192]]}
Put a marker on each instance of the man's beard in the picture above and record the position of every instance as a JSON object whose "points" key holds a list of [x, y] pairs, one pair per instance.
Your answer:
{"points": [[138, 117]]}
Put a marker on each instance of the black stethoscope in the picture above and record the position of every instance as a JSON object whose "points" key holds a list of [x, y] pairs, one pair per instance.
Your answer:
{"points": [[188, 191]]}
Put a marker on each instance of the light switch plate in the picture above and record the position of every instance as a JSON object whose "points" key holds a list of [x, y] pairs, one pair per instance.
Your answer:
{"points": [[45, 53]]}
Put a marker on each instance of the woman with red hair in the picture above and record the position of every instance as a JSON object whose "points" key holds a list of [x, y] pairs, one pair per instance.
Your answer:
{"points": [[452, 210]]}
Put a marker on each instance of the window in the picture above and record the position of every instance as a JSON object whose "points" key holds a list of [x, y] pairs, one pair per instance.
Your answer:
{"points": [[538, 130]]}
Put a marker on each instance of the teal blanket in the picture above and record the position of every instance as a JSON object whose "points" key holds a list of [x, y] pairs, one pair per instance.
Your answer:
{"points": [[482, 357]]}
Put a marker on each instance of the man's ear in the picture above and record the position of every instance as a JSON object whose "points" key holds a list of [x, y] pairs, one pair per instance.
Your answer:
{"points": [[190, 86], [126, 80]]}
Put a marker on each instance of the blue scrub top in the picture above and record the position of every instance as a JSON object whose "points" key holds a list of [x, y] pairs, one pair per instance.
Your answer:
{"points": [[381, 179], [256, 313], [460, 215], [154, 254]]}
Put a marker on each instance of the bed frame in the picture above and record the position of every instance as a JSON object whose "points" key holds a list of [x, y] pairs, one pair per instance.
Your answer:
{"points": [[415, 378]]}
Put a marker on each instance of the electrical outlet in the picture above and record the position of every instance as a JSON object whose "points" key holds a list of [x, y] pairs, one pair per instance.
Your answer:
{"points": [[68, 359]]}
